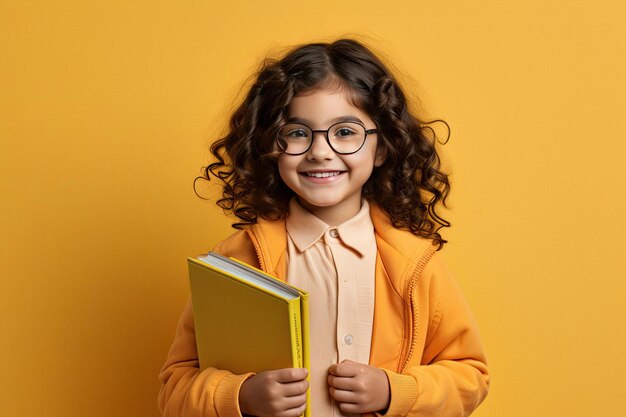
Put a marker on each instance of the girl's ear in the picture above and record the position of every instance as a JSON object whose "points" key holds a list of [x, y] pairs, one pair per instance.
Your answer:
{"points": [[381, 155]]}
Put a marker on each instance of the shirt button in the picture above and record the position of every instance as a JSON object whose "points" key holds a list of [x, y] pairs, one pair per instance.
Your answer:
{"points": [[349, 339], [333, 233]]}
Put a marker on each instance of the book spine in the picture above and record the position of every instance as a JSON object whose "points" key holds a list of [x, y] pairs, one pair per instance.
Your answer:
{"points": [[304, 318], [296, 333], [299, 314]]}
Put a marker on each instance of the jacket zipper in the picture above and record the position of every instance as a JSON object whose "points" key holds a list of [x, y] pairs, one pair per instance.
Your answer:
{"points": [[257, 249], [413, 314], [413, 305]]}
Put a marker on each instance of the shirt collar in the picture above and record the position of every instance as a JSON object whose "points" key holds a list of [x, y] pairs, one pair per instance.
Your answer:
{"points": [[305, 229]]}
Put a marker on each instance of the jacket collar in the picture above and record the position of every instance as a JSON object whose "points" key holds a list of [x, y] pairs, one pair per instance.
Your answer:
{"points": [[401, 252]]}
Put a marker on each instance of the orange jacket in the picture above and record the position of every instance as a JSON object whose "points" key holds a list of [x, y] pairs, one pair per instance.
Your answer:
{"points": [[424, 334]]}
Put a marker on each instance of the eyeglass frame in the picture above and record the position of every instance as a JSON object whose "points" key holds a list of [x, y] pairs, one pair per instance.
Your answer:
{"points": [[326, 132]]}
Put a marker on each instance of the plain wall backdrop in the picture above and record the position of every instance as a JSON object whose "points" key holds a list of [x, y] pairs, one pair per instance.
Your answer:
{"points": [[107, 109]]}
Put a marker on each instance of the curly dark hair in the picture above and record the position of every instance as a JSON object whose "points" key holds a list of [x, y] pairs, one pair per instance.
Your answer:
{"points": [[409, 186]]}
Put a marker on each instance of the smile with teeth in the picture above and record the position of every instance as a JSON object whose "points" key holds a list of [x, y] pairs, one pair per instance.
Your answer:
{"points": [[322, 174]]}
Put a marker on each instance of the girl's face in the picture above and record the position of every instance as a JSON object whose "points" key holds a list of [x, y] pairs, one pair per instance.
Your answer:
{"points": [[329, 184]]}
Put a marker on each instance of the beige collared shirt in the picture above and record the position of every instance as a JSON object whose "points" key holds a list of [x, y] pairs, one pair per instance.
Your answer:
{"points": [[336, 265]]}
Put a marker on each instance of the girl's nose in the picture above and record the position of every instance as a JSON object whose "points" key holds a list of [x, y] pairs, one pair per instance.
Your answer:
{"points": [[320, 149]]}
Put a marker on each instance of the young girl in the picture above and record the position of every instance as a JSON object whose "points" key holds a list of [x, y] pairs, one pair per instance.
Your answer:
{"points": [[336, 186]]}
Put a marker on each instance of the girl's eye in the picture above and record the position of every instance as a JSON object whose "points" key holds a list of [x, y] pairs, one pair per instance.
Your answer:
{"points": [[343, 132], [298, 133]]}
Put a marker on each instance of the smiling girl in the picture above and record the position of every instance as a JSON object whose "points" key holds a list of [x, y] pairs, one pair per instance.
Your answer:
{"points": [[337, 187]]}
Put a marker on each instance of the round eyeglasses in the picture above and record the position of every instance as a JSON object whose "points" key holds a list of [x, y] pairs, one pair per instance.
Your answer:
{"points": [[344, 137]]}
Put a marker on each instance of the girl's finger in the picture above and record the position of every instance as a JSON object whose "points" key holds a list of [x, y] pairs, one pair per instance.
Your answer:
{"points": [[343, 396], [345, 369], [295, 388], [294, 412], [296, 402], [287, 375], [341, 382], [351, 408]]}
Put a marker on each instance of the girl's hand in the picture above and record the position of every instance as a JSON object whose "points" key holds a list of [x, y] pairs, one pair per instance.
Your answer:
{"points": [[359, 388], [279, 393]]}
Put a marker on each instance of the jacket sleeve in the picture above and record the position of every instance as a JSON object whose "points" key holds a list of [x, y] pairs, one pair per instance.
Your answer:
{"points": [[185, 391], [450, 378]]}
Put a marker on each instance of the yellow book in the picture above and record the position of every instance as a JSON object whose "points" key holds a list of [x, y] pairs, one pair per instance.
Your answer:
{"points": [[245, 319]]}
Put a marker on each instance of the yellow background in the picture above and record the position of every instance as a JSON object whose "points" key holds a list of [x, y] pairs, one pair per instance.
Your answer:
{"points": [[106, 112]]}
